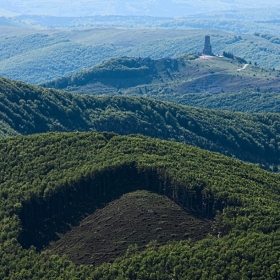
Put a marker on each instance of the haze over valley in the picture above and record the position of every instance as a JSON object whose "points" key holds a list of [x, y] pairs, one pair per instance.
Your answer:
{"points": [[124, 7]]}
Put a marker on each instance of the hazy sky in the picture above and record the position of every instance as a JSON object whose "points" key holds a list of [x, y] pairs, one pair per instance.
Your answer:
{"points": [[124, 7]]}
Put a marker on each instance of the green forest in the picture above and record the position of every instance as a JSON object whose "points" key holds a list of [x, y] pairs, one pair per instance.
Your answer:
{"points": [[27, 109], [45, 176], [243, 101]]}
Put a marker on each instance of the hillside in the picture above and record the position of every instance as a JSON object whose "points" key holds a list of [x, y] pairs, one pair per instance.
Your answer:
{"points": [[50, 182], [37, 56], [244, 101], [6, 130], [106, 174], [136, 218], [29, 109], [240, 21], [175, 79]]}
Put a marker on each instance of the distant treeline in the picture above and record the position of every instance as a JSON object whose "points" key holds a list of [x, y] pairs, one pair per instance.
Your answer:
{"points": [[232, 56]]}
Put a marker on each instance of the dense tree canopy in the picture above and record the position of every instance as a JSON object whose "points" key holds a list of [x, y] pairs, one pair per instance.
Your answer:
{"points": [[28, 109], [39, 172]]}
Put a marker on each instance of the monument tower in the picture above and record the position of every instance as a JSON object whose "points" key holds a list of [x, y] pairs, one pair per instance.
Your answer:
{"points": [[207, 46]]}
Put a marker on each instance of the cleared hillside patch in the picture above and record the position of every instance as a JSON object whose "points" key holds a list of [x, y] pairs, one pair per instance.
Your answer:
{"points": [[136, 218]]}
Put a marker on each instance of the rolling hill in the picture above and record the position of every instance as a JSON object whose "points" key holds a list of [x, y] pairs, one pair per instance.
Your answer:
{"points": [[37, 56], [185, 74], [215, 82], [27, 109], [51, 183], [244, 101], [102, 178]]}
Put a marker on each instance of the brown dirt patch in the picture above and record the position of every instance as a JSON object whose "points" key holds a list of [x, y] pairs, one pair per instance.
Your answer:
{"points": [[135, 218]]}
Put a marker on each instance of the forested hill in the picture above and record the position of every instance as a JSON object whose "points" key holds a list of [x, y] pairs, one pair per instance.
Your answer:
{"points": [[49, 180], [27, 109], [189, 73], [6, 130]]}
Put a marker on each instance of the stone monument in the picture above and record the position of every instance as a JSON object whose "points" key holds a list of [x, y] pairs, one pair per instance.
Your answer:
{"points": [[207, 46]]}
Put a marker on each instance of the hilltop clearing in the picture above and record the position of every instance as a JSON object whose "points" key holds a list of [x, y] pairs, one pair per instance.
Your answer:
{"points": [[171, 79], [136, 218]]}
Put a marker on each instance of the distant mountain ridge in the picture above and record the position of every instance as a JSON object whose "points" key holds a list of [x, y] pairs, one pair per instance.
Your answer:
{"points": [[124, 7], [241, 21]]}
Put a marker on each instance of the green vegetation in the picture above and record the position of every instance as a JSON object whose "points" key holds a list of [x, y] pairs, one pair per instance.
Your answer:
{"points": [[135, 207], [49, 179], [244, 101], [232, 56], [36, 56], [44, 57], [272, 38], [6, 130], [228, 258], [29, 109], [216, 83], [240, 21]]}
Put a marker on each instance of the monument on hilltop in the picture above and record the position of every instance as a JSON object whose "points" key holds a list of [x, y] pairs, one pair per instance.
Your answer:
{"points": [[207, 46]]}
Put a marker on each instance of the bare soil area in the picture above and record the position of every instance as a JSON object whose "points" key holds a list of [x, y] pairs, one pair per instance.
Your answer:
{"points": [[135, 218]]}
